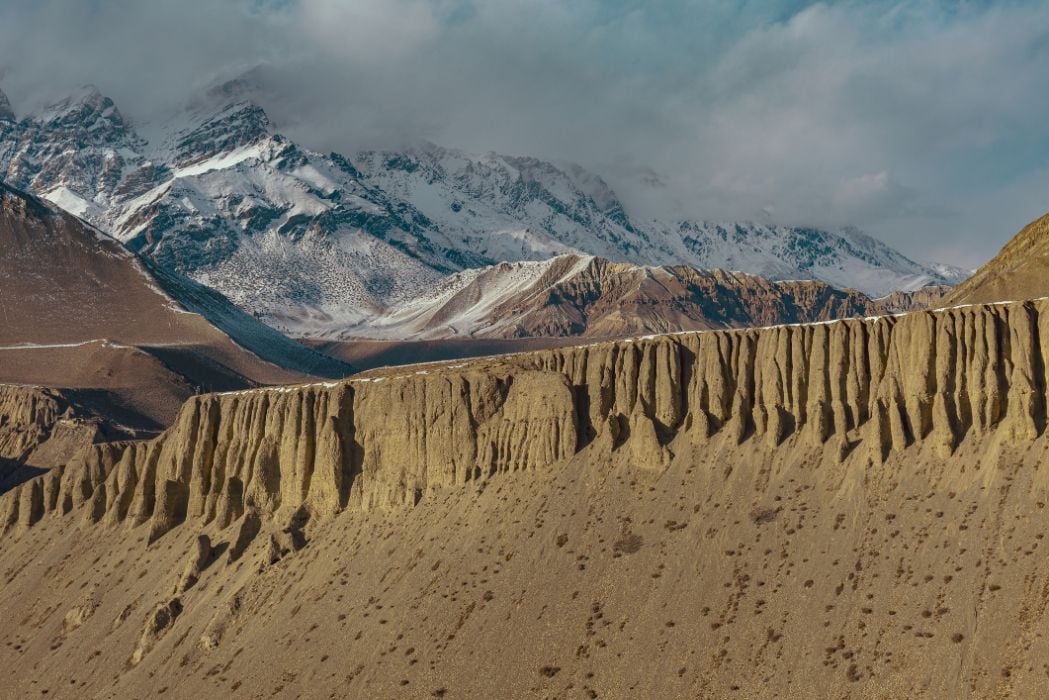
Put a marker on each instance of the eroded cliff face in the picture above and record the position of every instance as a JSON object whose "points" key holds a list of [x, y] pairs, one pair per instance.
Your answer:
{"points": [[859, 389], [39, 429], [850, 510]]}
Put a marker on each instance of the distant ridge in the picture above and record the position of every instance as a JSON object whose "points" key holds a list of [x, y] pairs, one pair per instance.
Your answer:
{"points": [[590, 297], [1019, 271]]}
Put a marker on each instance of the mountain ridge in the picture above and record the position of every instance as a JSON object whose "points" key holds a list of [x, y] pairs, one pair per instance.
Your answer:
{"points": [[218, 194], [586, 296], [1019, 270], [82, 312]]}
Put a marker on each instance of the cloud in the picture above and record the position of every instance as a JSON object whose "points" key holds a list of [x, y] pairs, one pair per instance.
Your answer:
{"points": [[927, 126]]}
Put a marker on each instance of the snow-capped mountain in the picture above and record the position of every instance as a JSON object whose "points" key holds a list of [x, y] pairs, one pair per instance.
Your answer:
{"points": [[510, 209], [312, 243], [218, 195], [572, 295]]}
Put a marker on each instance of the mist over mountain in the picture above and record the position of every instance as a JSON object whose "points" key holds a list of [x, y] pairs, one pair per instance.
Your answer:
{"points": [[918, 122]]}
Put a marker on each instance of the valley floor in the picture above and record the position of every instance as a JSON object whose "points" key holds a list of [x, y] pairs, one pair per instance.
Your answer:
{"points": [[377, 354]]}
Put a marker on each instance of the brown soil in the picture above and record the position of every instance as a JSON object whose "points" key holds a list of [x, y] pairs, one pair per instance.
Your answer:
{"points": [[367, 354], [79, 311]]}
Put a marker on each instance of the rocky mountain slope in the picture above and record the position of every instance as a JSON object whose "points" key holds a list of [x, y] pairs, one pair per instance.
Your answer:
{"points": [[516, 208], [835, 509], [572, 295], [1019, 271], [43, 428], [81, 311], [324, 241]]}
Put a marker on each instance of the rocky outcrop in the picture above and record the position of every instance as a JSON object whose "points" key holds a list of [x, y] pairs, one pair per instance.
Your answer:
{"points": [[851, 388], [27, 415], [929, 297]]}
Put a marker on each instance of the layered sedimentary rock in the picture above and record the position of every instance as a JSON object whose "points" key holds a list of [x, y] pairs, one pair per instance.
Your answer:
{"points": [[866, 386], [848, 510]]}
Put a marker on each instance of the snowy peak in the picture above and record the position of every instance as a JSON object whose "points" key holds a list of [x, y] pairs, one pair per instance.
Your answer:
{"points": [[846, 259], [504, 207], [224, 117], [232, 127], [86, 114], [76, 151], [7, 114], [246, 87]]}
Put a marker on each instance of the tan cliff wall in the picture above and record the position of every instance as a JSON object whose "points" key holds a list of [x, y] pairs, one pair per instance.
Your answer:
{"points": [[27, 415], [851, 388], [39, 429]]}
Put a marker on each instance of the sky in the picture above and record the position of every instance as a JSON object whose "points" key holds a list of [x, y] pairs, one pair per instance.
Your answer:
{"points": [[923, 123]]}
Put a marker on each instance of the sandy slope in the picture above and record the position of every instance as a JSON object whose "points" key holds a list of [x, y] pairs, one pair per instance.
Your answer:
{"points": [[734, 573]]}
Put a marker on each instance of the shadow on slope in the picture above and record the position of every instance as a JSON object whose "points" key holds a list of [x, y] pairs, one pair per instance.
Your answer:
{"points": [[245, 330]]}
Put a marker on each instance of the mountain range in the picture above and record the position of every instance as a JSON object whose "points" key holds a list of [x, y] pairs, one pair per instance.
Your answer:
{"points": [[585, 296], [132, 340], [319, 244]]}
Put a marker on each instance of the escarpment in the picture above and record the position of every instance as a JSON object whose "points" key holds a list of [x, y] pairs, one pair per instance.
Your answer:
{"points": [[856, 389]]}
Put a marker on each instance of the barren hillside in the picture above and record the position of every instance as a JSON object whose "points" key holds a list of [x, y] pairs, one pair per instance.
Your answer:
{"points": [[1019, 271], [583, 296], [80, 311]]}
